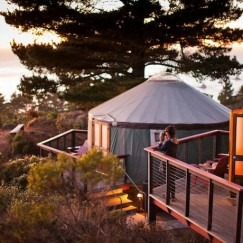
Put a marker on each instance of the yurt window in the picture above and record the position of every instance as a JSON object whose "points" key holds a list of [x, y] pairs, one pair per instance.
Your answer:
{"points": [[105, 143], [97, 133], [154, 137], [102, 135]]}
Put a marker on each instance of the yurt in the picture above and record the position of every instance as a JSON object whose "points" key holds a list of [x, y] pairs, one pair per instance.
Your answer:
{"points": [[131, 121]]}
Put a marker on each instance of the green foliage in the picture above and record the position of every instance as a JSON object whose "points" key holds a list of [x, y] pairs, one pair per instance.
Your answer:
{"points": [[39, 214], [32, 113], [52, 115], [1, 157], [72, 120], [2, 101], [91, 93], [15, 172], [29, 218], [34, 218], [95, 166], [68, 175], [14, 111], [51, 102], [2, 108], [226, 95], [22, 145], [7, 195], [49, 176]]}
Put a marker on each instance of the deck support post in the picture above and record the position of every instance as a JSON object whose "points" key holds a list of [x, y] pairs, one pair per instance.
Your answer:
{"points": [[152, 211], [210, 205], [239, 205]]}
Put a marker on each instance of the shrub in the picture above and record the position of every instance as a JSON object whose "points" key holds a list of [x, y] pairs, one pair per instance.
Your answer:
{"points": [[32, 113], [30, 218], [52, 115], [15, 172], [7, 194], [72, 120], [21, 144], [71, 176], [95, 166], [50, 210], [1, 157]]}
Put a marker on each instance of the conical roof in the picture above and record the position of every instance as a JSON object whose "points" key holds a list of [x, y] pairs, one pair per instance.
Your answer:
{"points": [[161, 100]]}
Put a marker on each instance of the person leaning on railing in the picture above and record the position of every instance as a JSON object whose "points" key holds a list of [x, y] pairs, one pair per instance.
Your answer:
{"points": [[168, 145]]}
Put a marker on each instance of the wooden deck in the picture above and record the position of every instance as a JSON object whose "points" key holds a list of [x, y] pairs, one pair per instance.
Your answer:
{"points": [[224, 210], [202, 198]]}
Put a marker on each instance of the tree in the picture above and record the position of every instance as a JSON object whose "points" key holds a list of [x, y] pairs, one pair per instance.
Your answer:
{"points": [[237, 100], [15, 172], [226, 95], [2, 107], [105, 51], [9, 110], [15, 110], [75, 175]]}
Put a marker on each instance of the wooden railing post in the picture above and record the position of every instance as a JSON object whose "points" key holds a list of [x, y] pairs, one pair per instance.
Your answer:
{"points": [[188, 193], [168, 173], [186, 152], [40, 152], [150, 206], [239, 205], [65, 143], [57, 144], [217, 144], [210, 205], [200, 150], [73, 139]]}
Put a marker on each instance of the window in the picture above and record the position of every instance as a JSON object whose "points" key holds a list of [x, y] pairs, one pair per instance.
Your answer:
{"points": [[101, 135]]}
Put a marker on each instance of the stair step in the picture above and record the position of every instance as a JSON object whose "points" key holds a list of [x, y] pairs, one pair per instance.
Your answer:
{"points": [[106, 194], [117, 201], [129, 209]]}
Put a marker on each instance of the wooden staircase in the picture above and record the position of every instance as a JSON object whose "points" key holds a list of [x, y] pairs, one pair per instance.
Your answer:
{"points": [[116, 200]]}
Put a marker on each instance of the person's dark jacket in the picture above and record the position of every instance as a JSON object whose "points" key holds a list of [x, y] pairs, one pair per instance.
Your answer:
{"points": [[169, 147]]}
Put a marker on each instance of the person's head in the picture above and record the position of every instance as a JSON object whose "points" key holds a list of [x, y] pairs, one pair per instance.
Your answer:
{"points": [[170, 130]]}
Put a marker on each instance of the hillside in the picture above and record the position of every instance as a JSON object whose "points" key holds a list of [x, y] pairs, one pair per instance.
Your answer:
{"points": [[37, 130], [40, 129], [4, 144]]}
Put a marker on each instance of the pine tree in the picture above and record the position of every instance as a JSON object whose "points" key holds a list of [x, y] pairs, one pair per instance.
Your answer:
{"points": [[226, 95], [105, 52]]}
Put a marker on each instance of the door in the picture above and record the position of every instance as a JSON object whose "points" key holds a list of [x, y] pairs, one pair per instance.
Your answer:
{"points": [[236, 146]]}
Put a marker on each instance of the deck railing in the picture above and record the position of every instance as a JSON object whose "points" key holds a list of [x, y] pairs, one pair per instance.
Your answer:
{"points": [[63, 143], [198, 148], [207, 203]]}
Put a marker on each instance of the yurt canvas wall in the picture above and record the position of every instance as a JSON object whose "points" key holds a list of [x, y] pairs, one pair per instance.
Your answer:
{"points": [[129, 122]]}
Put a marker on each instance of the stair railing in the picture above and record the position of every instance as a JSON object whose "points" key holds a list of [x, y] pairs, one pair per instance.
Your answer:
{"points": [[104, 174], [144, 193]]}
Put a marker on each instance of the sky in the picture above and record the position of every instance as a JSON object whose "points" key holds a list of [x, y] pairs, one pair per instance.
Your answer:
{"points": [[11, 70]]}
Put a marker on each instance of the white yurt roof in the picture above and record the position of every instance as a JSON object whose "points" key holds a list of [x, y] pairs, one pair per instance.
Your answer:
{"points": [[162, 99]]}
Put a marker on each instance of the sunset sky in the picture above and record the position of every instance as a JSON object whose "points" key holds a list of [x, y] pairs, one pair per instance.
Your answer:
{"points": [[11, 70]]}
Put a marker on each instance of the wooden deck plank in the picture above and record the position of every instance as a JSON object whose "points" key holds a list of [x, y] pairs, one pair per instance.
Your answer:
{"points": [[224, 212]]}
